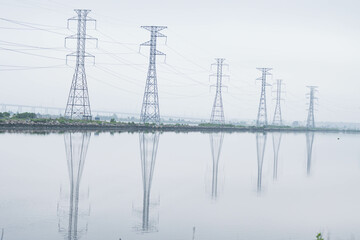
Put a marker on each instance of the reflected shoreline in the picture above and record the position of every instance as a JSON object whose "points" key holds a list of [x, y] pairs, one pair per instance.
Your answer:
{"points": [[92, 126]]}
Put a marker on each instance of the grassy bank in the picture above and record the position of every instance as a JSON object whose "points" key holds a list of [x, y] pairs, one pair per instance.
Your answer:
{"points": [[62, 124]]}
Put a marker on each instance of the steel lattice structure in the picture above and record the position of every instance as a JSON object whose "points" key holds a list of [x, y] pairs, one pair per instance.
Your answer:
{"points": [[311, 119], [148, 150], [76, 145], [277, 120], [217, 113], [309, 147], [276, 137], [150, 112], [78, 104], [260, 150], [216, 141], [262, 111]]}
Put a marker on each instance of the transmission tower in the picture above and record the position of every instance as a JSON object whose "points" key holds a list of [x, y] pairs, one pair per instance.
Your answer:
{"points": [[217, 113], [309, 147], [78, 104], [277, 115], [216, 141], [76, 145], [262, 112], [276, 137], [260, 150], [148, 150], [150, 112], [310, 119]]}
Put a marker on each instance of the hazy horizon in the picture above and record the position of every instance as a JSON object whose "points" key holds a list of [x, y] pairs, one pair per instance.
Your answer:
{"points": [[305, 42]]}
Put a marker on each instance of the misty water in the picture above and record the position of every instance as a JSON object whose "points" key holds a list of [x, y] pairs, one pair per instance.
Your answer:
{"points": [[179, 186]]}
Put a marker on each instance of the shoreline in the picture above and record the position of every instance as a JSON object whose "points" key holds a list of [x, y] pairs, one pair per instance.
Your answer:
{"points": [[55, 126]]}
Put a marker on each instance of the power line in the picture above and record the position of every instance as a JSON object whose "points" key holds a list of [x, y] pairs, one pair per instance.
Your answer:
{"points": [[26, 29], [120, 43], [123, 78], [172, 68], [187, 59], [21, 68], [32, 54], [30, 25], [120, 76], [112, 85], [185, 75], [31, 47]]}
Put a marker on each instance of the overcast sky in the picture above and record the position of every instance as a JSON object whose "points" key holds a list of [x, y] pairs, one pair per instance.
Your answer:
{"points": [[305, 42]]}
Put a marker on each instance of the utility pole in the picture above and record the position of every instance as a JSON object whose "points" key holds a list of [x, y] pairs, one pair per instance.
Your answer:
{"points": [[262, 112], [217, 113], [78, 104], [310, 119], [277, 115], [150, 112]]}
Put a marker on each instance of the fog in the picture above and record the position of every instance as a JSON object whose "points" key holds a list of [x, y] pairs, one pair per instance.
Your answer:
{"points": [[305, 42]]}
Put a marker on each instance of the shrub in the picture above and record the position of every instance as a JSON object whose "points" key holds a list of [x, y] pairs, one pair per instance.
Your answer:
{"points": [[4, 115], [319, 237], [40, 120], [25, 115]]}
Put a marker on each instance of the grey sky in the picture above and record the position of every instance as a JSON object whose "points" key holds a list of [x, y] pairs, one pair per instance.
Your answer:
{"points": [[305, 42]]}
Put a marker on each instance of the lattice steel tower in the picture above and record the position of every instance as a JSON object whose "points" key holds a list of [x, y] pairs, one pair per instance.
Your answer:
{"points": [[310, 119], [260, 150], [148, 150], [76, 145], [309, 147], [216, 141], [217, 113], [78, 104], [277, 120], [276, 137], [262, 112], [150, 112]]}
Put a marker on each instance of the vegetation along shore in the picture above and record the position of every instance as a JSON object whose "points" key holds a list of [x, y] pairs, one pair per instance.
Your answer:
{"points": [[29, 121]]}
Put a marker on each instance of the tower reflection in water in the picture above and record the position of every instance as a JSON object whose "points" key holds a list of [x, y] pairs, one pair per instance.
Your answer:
{"points": [[71, 217], [216, 141], [148, 150], [276, 137], [309, 147], [260, 150]]}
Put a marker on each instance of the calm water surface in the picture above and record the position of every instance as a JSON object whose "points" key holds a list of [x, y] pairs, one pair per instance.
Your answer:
{"points": [[179, 186]]}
